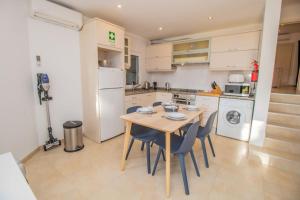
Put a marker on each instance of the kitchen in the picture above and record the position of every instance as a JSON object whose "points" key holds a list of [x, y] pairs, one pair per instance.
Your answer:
{"points": [[208, 73]]}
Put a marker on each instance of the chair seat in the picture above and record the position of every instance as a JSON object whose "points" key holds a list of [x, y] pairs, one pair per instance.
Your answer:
{"points": [[176, 141], [144, 134]]}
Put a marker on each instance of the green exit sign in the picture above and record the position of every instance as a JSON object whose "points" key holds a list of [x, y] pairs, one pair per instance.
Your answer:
{"points": [[112, 36]]}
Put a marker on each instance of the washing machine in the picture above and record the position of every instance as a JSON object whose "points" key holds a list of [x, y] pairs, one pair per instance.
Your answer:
{"points": [[235, 117]]}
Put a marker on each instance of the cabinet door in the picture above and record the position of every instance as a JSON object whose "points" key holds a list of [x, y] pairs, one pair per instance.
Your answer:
{"points": [[210, 104], [159, 64], [110, 35], [236, 60], [237, 42], [161, 50], [164, 96]]}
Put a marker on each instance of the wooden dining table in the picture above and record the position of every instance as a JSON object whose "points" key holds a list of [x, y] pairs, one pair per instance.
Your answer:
{"points": [[158, 121]]}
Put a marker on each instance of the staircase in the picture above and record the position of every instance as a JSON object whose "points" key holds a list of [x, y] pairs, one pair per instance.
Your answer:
{"points": [[282, 143]]}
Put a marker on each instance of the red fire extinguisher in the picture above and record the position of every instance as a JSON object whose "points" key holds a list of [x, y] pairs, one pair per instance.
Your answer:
{"points": [[254, 77], [254, 74]]}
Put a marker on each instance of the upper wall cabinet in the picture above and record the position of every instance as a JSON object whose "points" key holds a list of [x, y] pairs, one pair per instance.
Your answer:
{"points": [[127, 53], [109, 35], [191, 52], [159, 57], [234, 52]]}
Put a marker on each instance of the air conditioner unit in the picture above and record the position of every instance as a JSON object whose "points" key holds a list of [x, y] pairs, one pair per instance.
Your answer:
{"points": [[56, 14]]}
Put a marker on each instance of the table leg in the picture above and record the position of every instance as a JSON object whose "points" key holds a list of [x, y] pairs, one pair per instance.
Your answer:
{"points": [[126, 141], [201, 118], [168, 163]]}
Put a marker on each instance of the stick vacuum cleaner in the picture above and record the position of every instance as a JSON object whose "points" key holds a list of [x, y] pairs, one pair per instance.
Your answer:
{"points": [[43, 87]]}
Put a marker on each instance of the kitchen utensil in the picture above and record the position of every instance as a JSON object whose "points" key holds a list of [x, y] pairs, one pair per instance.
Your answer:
{"points": [[175, 116], [171, 108], [145, 110], [146, 85], [155, 85], [192, 107]]}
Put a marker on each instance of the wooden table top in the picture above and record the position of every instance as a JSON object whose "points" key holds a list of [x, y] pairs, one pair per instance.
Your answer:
{"points": [[159, 122]]}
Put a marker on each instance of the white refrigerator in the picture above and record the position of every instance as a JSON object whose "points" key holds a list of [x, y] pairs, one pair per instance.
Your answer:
{"points": [[111, 96]]}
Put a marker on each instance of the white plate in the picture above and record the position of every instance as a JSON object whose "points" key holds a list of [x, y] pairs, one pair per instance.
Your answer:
{"points": [[145, 110], [171, 107], [192, 107], [176, 116]]}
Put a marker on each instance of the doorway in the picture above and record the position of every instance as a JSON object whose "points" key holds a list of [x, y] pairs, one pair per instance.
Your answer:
{"points": [[286, 69]]}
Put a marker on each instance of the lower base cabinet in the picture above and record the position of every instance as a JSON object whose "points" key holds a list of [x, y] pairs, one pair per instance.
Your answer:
{"points": [[210, 104]]}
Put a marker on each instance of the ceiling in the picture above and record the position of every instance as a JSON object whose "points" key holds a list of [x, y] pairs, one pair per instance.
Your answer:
{"points": [[176, 17]]}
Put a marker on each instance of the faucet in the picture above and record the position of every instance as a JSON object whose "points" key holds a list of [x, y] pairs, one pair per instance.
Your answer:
{"points": [[134, 86]]}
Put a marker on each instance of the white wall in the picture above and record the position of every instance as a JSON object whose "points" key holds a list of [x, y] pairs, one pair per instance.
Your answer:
{"points": [[267, 61], [60, 58], [191, 77], [17, 116]]}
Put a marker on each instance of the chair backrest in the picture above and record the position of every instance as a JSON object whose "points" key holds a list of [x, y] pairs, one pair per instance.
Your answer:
{"points": [[189, 139], [158, 103], [133, 109], [208, 126]]}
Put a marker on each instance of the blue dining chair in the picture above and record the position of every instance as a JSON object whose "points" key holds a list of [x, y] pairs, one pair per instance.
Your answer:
{"points": [[180, 146], [203, 132], [144, 134], [157, 103]]}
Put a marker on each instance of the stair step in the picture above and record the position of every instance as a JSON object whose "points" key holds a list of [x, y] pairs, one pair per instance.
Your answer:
{"points": [[283, 133], [285, 120], [284, 108], [281, 160], [285, 98], [282, 145]]}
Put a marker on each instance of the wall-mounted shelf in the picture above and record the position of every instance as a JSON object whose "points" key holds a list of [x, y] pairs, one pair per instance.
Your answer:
{"points": [[191, 52]]}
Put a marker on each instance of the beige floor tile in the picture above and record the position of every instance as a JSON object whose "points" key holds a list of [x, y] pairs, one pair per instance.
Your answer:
{"points": [[94, 173]]}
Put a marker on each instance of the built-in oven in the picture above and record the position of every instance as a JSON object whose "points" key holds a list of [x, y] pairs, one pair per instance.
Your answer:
{"points": [[237, 89], [187, 99]]}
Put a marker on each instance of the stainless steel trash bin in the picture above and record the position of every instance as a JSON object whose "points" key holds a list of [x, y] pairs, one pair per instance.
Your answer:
{"points": [[73, 136]]}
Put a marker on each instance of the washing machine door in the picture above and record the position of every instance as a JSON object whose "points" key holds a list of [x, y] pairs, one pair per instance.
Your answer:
{"points": [[234, 121]]}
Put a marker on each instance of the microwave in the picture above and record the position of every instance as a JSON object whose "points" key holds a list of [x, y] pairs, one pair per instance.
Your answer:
{"points": [[237, 89]]}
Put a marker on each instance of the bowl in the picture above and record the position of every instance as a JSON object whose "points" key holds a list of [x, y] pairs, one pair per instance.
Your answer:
{"points": [[171, 108]]}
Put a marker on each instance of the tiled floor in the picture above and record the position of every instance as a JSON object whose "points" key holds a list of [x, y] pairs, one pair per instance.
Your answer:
{"points": [[94, 173]]}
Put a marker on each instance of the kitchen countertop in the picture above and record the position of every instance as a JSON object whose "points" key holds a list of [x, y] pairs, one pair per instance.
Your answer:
{"points": [[129, 92]]}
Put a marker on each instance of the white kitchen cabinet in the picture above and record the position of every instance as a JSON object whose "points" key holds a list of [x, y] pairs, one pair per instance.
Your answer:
{"points": [[233, 60], [146, 99], [159, 57], [237, 42], [234, 52], [127, 47], [164, 96], [210, 104], [109, 35]]}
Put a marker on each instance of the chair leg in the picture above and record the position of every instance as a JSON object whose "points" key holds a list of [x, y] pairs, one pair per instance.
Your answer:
{"points": [[152, 144], [148, 157], [156, 160], [183, 172], [163, 155], [195, 163], [129, 149], [211, 146], [204, 152], [180, 132], [143, 145]]}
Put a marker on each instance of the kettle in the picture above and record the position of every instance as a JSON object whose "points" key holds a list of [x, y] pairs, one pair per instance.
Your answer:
{"points": [[146, 85], [167, 86]]}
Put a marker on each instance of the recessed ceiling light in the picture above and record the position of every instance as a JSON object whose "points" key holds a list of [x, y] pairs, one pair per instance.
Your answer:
{"points": [[160, 28], [119, 6], [210, 17]]}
